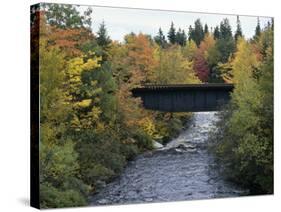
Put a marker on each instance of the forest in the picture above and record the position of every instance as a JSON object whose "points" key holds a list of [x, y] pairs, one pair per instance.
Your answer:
{"points": [[91, 126]]}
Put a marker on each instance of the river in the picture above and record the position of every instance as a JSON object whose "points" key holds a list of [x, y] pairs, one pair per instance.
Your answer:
{"points": [[184, 169]]}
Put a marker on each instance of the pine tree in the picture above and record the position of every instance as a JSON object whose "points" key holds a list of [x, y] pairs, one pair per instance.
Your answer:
{"points": [[178, 36], [225, 43], [103, 39], [160, 39], [258, 30], [181, 37], [225, 29], [206, 29], [217, 32], [238, 32], [190, 33], [272, 24], [196, 33], [172, 34]]}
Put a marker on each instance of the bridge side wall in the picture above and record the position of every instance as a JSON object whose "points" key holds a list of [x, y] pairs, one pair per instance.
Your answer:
{"points": [[184, 100]]}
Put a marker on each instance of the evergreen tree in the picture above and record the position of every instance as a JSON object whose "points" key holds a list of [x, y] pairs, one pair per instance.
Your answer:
{"points": [[206, 29], [178, 36], [272, 24], [190, 33], [238, 32], [103, 39], [181, 37], [160, 39], [258, 30], [225, 29], [172, 34], [225, 44], [217, 32], [196, 33]]}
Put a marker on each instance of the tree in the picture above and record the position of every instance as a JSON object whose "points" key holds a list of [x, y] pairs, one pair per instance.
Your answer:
{"points": [[160, 39], [172, 34], [140, 59], [243, 68], [212, 56], [181, 37], [68, 40], [173, 67], [225, 29], [216, 32], [189, 50], [206, 29], [244, 140], [238, 32], [201, 66], [103, 39], [205, 58], [226, 49], [196, 33], [67, 16], [264, 41], [225, 71], [225, 43], [257, 30], [190, 33], [59, 167]]}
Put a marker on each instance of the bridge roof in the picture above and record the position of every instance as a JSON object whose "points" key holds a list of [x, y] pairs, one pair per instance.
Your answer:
{"points": [[170, 87]]}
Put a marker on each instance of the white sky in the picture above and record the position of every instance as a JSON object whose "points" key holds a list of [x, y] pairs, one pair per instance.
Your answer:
{"points": [[121, 21]]}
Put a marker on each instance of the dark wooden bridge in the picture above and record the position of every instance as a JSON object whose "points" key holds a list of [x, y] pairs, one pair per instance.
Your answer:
{"points": [[184, 97]]}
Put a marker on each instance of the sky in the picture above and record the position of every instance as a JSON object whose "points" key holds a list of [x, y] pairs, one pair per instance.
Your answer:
{"points": [[122, 21]]}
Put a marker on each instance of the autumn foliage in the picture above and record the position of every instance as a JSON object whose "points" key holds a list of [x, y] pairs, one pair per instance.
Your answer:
{"points": [[91, 125]]}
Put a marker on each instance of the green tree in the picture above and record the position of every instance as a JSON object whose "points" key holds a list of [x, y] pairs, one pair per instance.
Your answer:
{"points": [[238, 32], [216, 32], [206, 29], [225, 44], [257, 30], [67, 16], [160, 39], [102, 37], [225, 29], [196, 33], [181, 37], [244, 139], [172, 34]]}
